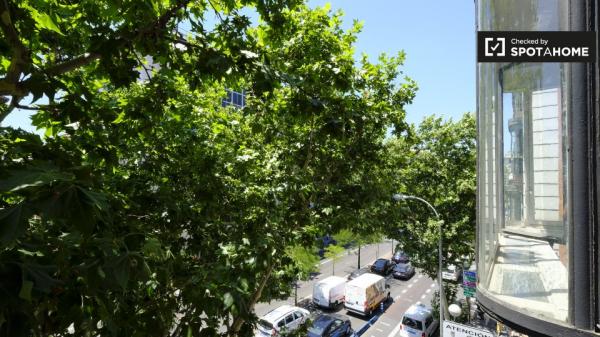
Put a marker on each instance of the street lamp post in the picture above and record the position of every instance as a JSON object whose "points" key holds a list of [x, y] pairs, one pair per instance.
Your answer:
{"points": [[401, 197]]}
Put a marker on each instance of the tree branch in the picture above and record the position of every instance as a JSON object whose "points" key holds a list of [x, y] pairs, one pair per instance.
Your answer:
{"points": [[20, 54], [239, 321], [65, 67]]}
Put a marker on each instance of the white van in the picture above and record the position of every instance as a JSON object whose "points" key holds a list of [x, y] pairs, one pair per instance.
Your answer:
{"points": [[365, 293], [418, 322], [284, 319], [329, 292]]}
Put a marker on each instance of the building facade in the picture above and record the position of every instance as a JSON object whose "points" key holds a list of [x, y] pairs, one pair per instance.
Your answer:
{"points": [[538, 140]]}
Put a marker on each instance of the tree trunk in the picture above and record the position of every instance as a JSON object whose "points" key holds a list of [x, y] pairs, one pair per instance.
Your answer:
{"points": [[235, 327]]}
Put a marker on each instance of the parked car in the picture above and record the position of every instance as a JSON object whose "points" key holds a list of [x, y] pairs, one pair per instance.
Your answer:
{"points": [[452, 273], [403, 271], [382, 267], [365, 293], [357, 273], [329, 292], [284, 319], [418, 321], [400, 257], [330, 325], [323, 242]]}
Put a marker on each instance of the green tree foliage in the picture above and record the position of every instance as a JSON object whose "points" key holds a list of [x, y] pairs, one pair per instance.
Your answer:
{"points": [[437, 163], [151, 210], [304, 259], [334, 253]]}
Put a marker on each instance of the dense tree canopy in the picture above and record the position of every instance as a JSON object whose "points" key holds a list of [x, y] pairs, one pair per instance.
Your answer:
{"points": [[149, 209], [436, 162]]}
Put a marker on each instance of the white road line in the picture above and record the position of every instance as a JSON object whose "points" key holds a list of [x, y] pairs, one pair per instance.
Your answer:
{"points": [[404, 291], [324, 261], [384, 323], [397, 298], [395, 331], [420, 276], [378, 329], [415, 281], [423, 297], [428, 291], [410, 285], [433, 285]]}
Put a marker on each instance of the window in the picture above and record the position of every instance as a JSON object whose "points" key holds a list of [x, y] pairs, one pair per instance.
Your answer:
{"points": [[289, 319], [522, 162], [412, 323], [237, 99]]}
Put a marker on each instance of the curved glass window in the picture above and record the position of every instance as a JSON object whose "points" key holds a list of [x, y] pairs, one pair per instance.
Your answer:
{"points": [[522, 168]]}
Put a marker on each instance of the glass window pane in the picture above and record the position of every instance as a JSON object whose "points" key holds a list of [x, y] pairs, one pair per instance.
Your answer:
{"points": [[522, 164]]}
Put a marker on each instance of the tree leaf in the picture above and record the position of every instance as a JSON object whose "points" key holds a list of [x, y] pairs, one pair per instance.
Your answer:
{"points": [[43, 20], [227, 300], [33, 176], [26, 288], [13, 222]]}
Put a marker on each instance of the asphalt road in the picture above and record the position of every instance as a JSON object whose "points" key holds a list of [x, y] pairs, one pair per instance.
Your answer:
{"points": [[405, 293]]}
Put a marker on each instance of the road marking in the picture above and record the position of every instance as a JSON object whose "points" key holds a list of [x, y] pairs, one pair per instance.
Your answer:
{"points": [[415, 281], [384, 323], [378, 329], [432, 285], [420, 276], [324, 261], [423, 297], [397, 298], [410, 285], [404, 291], [428, 291], [395, 331]]}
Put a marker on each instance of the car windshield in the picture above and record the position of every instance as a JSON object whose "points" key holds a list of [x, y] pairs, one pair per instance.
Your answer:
{"points": [[319, 326], [412, 323], [401, 267], [379, 263], [265, 324]]}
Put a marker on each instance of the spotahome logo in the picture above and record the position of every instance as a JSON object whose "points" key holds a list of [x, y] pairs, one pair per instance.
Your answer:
{"points": [[495, 46], [536, 46]]}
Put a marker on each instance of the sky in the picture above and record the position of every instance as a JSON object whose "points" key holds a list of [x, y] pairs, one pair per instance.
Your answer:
{"points": [[438, 38]]}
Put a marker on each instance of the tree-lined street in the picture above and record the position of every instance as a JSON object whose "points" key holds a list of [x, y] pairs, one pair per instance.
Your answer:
{"points": [[419, 288]]}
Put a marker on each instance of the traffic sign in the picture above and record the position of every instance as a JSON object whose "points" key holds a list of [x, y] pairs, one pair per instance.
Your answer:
{"points": [[461, 330], [469, 292]]}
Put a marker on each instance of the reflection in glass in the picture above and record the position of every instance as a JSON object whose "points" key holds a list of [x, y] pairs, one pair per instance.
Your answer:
{"points": [[522, 168]]}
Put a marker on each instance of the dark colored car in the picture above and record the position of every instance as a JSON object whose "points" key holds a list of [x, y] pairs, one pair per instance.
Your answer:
{"points": [[330, 325], [357, 273], [400, 257], [403, 271], [323, 242], [382, 267]]}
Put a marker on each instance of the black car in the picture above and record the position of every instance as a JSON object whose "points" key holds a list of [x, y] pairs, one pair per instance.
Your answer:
{"points": [[400, 257], [357, 273], [382, 267], [403, 271], [330, 325]]}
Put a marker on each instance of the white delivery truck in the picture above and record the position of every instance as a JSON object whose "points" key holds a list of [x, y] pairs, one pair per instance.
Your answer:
{"points": [[329, 292], [365, 293]]}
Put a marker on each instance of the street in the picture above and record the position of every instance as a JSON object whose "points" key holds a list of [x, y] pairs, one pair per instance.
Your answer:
{"points": [[404, 293]]}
